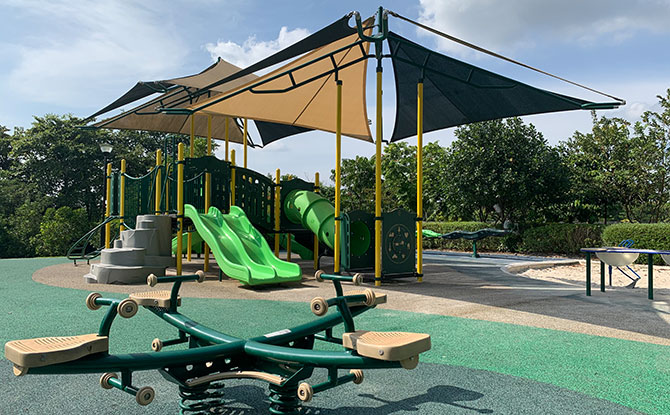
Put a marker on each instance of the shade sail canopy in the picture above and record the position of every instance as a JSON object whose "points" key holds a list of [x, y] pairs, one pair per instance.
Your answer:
{"points": [[219, 77], [145, 117], [457, 93], [303, 92]]}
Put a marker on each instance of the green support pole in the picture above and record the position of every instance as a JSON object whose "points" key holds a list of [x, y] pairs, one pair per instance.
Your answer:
{"points": [[650, 274], [602, 276], [474, 249], [588, 273]]}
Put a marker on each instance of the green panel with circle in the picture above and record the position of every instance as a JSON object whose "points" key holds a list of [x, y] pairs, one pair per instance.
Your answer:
{"points": [[398, 243]]}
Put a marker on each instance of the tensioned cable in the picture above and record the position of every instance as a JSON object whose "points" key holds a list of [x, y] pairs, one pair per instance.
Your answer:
{"points": [[496, 55]]}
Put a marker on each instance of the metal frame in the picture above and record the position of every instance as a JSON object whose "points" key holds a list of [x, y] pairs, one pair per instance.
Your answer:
{"points": [[282, 358]]}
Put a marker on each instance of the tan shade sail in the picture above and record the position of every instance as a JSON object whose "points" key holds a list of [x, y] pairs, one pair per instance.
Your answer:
{"points": [[146, 117], [313, 104]]}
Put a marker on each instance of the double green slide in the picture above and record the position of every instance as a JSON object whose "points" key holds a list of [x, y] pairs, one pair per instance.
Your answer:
{"points": [[242, 252]]}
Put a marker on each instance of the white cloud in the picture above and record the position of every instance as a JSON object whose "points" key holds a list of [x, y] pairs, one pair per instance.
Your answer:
{"points": [[509, 25], [252, 50], [84, 46]]}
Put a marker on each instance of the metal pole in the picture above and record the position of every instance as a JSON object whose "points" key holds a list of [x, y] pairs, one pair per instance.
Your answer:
{"points": [[180, 204], [338, 161], [419, 182], [159, 161], [232, 177], [602, 276], [208, 187], [588, 273], [378, 181], [277, 196], [316, 237], [191, 155], [227, 137], [122, 197], [245, 143], [650, 276], [108, 210]]}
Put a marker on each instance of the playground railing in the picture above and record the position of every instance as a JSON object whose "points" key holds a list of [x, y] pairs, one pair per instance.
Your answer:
{"points": [[78, 250]]}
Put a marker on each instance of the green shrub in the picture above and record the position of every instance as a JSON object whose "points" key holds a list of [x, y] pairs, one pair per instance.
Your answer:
{"points": [[59, 229], [561, 238], [645, 235], [487, 244]]}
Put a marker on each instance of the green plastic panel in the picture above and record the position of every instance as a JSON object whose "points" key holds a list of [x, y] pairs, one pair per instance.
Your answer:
{"points": [[254, 193], [398, 243]]}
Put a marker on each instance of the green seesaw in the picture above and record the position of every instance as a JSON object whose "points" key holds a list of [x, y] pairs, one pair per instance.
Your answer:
{"points": [[285, 359]]}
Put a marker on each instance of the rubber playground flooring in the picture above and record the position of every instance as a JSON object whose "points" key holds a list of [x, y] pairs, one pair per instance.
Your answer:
{"points": [[474, 366]]}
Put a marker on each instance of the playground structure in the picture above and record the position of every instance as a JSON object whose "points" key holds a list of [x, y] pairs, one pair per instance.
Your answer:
{"points": [[229, 205], [284, 359], [290, 210]]}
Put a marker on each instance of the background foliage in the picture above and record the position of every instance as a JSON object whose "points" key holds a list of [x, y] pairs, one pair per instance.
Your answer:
{"points": [[499, 173]]}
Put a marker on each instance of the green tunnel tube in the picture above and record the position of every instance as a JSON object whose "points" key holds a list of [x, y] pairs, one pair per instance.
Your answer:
{"points": [[313, 212]]}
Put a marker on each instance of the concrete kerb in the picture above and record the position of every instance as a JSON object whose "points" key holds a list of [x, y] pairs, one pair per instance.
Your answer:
{"points": [[516, 269]]}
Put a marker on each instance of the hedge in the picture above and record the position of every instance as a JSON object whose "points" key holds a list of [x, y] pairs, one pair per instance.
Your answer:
{"points": [[561, 238], [645, 235]]}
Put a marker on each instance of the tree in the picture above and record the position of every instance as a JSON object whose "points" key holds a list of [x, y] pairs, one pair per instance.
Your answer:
{"points": [[435, 176], [357, 184], [399, 177], [5, 149], [607, 166], [653, 131], [502, 169]]}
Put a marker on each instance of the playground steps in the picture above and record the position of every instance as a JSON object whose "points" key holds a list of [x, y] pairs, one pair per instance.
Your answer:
{"points": [[379, 298], [44, 351], [159, 298], [393, 345]]}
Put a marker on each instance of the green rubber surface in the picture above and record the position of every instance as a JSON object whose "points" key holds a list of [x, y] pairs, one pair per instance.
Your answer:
{"points": [[473, 367]]}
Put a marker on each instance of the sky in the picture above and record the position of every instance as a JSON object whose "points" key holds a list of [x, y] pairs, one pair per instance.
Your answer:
{"points": [[76, 56]]}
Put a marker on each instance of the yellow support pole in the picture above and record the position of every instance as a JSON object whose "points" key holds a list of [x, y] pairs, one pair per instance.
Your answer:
{"points": [[122, 196], [208, 186], [192, 146], [419, 182], [227, 137], [159, 180], [245, 143], [338, 161], [180, 204], [108, 209], [316, 238], [232, 178], [277, 217], [378, 183], [209, 135], [189, 248]]}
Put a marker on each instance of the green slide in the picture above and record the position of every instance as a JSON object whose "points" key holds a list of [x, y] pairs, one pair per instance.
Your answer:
{"points": [[313, 212], [296, 247], [240, 250], [196, 243]]}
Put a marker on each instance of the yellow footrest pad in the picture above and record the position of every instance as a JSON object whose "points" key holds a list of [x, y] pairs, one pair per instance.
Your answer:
{"points": [[393, 345], [44, 351], [159, 298]]}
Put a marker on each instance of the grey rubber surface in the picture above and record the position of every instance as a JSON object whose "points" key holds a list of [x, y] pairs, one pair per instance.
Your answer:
{"points": [[429, 389]]}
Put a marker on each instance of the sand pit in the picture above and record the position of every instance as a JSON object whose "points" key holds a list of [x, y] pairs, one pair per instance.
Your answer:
{"points": [[575, 274]]}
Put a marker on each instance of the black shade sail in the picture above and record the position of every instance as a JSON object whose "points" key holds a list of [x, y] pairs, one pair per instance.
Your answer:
{"points": [[457, 93]]}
